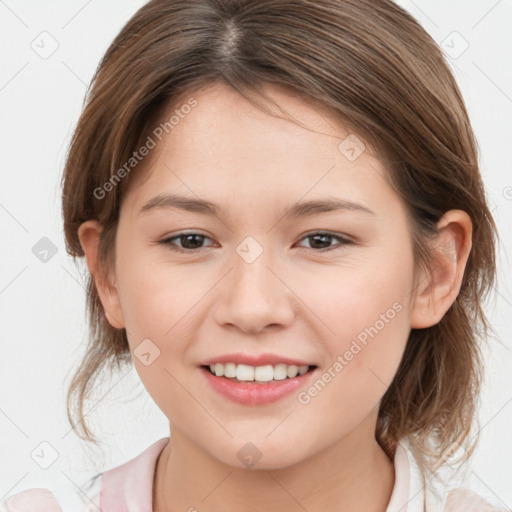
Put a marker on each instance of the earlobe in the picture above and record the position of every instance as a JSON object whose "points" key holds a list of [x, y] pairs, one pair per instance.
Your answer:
{"points": [[89, 234], [439, 286]]}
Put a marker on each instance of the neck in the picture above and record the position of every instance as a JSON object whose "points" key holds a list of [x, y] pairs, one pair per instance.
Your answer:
{"points": [[353, 475]]}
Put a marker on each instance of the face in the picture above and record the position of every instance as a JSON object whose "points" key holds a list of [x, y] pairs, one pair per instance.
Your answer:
{"points": [[259, 284]]}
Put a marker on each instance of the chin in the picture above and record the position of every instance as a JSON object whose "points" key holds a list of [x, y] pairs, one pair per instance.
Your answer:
{"points": [[261, 456]]}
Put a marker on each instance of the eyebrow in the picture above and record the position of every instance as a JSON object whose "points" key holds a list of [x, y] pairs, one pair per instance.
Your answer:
{"points": [[297, 210]]}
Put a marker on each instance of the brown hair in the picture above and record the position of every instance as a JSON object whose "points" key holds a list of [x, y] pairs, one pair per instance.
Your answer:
{"points": [[379, 72]]}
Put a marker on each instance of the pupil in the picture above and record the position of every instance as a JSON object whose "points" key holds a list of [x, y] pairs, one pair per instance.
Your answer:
{"points": [[315, 237], [187, 238]]}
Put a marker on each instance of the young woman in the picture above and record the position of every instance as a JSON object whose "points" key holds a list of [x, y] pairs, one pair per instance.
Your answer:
{"points": [[281, 211]]}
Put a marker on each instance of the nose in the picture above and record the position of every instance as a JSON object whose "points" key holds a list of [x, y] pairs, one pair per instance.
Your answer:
{"points": [[254, 297]]}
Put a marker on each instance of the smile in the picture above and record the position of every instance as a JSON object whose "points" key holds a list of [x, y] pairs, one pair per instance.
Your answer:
{"points": [[255, 385]]}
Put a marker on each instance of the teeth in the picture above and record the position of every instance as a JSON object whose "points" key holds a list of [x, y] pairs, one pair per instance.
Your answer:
{"points": [[219, 370], [264, 373], [230, 370], [292, 371], [279, 372], [244, 372]]}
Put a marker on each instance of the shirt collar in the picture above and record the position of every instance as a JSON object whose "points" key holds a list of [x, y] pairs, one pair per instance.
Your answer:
{"points": [[408, 493], [129, 487]]}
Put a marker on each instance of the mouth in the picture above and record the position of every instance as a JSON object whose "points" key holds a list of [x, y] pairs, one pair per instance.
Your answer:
{"points": [[256, 379], [265, 374]]}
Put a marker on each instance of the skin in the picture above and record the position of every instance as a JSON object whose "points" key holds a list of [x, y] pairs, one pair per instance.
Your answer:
{"points": [[293, 300]]}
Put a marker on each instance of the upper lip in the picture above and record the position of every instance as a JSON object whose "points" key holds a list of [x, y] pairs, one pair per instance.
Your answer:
{"points": [[259, 360]]}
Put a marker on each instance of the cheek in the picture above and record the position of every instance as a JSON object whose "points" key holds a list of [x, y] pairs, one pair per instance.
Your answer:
{"points": [[370, 319], [156, 305], [366, 308], [156, 295]]}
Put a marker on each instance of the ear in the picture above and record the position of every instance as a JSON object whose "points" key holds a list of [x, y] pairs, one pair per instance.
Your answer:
{"points": [[89, 234], [438, 287]]}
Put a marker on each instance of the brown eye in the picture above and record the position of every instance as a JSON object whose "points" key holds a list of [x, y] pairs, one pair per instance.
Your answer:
{"points": [[321, 240], [189, 242], [192, 242]]}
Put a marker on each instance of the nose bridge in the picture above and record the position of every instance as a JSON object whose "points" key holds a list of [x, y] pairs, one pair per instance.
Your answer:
{"points": [[251, 269], [254, 297]]}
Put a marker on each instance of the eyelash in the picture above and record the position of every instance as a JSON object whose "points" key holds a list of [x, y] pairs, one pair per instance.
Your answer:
{"points": [[168, 241]]}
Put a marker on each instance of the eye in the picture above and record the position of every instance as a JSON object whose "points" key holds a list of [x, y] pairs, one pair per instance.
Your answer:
{"points": [[190, 242], [322, 239]]}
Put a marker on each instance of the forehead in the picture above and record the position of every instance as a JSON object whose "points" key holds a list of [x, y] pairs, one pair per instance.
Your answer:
{"points": [[224, 147]]}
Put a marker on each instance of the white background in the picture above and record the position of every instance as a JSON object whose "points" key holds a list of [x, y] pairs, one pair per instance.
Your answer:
{"points": [[42, 305]]}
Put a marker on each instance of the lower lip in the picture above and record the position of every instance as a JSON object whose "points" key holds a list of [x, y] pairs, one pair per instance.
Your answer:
{"points": [[255, 393]]}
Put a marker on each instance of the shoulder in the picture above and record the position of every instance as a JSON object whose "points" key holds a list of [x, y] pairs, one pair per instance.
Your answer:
{"points": [[446, 491], [69, 498], [128, 485], [464, 500]]}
